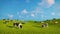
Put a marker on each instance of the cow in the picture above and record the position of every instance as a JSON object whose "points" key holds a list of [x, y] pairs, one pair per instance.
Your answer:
{"points": [[6, 22], [45, 25], [19, 25]]}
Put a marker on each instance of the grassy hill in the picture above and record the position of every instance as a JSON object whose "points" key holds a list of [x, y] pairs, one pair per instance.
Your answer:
{"points": [[31, 27]]}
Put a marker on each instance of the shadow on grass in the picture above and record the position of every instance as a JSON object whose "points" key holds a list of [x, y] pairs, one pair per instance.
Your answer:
{"points": [[11, 26], [37, 26]]}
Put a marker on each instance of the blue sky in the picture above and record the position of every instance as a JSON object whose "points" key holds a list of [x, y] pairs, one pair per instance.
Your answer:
{"points": [[30, 9]]}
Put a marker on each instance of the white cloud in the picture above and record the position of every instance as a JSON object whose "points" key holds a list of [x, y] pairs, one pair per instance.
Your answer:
{"points": [[32, 14], [53, 13], [51, 2], [46, 3], [24, 11], [10, 16]]}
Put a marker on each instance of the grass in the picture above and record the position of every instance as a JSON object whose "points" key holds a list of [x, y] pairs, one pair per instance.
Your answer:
{"points": [[29, 28]]}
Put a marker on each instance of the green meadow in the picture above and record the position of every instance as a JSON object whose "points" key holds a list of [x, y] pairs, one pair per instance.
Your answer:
{"points": [[31, 27]]}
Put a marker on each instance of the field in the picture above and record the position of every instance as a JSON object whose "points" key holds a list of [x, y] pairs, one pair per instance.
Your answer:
{"points": [[30, 28]]}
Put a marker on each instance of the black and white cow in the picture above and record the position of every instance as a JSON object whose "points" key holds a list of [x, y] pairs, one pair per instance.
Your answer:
{"points": [[17, 24], [45, 25]]}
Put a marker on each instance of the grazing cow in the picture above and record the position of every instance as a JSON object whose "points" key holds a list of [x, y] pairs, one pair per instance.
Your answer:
{"points": [[5, 22], [17, 24], [20, 25], [45, 25]]}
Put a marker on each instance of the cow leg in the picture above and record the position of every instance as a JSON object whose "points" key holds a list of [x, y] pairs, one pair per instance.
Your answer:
{"points": [[20, 26]]}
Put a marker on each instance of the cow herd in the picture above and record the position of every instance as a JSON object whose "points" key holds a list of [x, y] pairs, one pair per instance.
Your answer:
{"points": [[15, 24], [19, 25]]}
